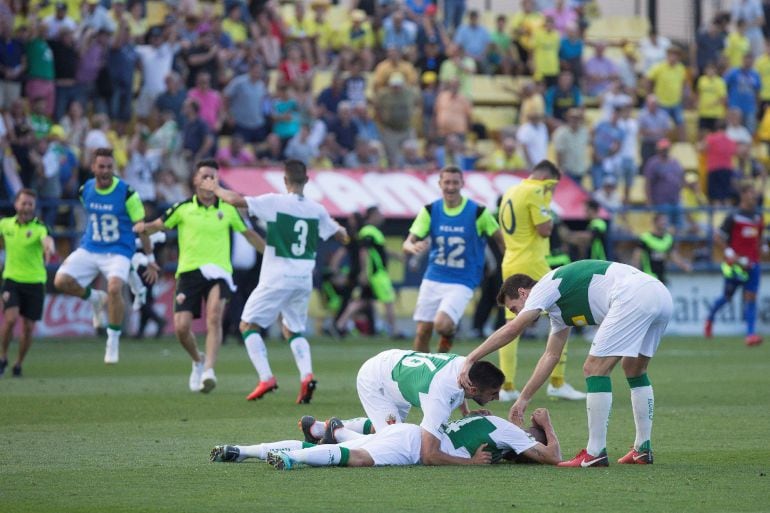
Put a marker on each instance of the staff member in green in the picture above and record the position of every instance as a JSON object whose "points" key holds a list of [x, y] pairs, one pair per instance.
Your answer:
{"points": [[655, 248], [27, 247], [204, 271]]}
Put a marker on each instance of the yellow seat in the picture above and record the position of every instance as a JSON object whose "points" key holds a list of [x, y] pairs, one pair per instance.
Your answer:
{"points": [[686, 154], [321, 80], [494, 90], [638, 193], [156, 12], [495, 118], [617, 28]]}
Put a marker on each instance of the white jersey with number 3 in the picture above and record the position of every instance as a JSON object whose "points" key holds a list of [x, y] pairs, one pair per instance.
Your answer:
{"points": [[294, 225]]}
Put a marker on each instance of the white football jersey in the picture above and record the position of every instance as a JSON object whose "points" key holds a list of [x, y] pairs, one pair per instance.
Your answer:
{"points": [[294, 225], [463, 437]]}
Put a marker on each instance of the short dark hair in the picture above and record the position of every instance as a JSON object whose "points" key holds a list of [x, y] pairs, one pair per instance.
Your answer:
{"points": [[549, 167], [206, 163], [592, 204], [485, 375], [28, 192], [296, 171], [103, 152], [511, 286], [450, 169]]}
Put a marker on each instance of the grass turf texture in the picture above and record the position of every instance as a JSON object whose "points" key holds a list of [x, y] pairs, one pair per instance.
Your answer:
{"points": [[76, 435]]}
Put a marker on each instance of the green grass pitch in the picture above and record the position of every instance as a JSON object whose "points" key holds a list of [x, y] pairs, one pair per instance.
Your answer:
{"points": [[79, 436]]}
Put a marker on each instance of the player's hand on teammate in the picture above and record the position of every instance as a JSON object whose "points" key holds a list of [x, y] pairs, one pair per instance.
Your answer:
{"points": [[481, 457], [138, 227], [151, 272], [463, 379], [516, 415]]}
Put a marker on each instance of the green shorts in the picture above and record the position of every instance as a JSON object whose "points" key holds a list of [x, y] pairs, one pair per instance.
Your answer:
{"points": [[382, 287]]}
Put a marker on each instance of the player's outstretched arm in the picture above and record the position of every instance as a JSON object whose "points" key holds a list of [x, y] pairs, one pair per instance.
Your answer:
{"points": [[550, 453], [430, 453], [496, 340], [342, 236], [226, 195], [255, 240], [153, 269], [153, 227]]}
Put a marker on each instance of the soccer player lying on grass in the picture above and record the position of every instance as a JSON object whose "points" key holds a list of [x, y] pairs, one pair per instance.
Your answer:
{"points": [[473, 440], [393, 381]]}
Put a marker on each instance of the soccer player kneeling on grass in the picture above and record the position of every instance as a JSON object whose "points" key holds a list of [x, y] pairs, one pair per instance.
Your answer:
{"points": [[632, 310], [473, 440]]}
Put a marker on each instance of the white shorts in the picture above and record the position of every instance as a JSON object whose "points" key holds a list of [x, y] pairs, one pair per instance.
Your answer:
{"points": [[376, 394], [635, 322], [434, 297], [84, 266], [265, 303], [398, 444]]}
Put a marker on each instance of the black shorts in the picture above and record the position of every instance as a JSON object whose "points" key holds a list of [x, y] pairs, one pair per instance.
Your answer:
{"points": [[720, 184], [192, 288], [707, 123], [28, 297]]}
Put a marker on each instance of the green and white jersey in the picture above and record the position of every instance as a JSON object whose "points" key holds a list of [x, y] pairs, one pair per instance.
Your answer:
{"points": [[428, 381], [463, 437], [294, 224], [581, 293]]}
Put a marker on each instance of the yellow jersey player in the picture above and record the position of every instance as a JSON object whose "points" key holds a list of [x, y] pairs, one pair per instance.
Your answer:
{"points": [[526, 223]]}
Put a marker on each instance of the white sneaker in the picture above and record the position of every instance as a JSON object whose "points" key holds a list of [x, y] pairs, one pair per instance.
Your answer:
{"points": [[100, 309], [209, 381], [111, 352], [140, 299], [197, 374], [508, 396], [566, 391]]}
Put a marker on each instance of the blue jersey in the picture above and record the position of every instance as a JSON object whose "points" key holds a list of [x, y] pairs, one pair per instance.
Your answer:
{"points": [[108, 224], [457, 249]]}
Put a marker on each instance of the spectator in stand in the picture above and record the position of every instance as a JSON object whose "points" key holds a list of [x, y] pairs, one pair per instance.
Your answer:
{"points": [[613, 97], [142, 166], [460, 66], [59, 177], [245, 96], [697, 223], [750, 12], [629, 61], [719, 151], [737, 45], [598, 70], [65, 59], [524, 24], [209, 101], [76, 126], [654, 124], [156, 59], [653, 49], [59, 20], [285, 113], [533, 138], [545, 53], [664, 181], [93, 49], [203, 57], [563, 15], [608, 195], [22, 148], [749, 169], [506, 157], [355, 82], [428, 96], [360, 38], [344, 129], [38, 119], [330, 98], [295, 69], [474, 39], [197, 139], [431, 32], [629, 149], [394, 63], [669, 79], [235, 154], [96, 137], [454, 10], [570, 142], [735, 128], [571, 52], [455, 152], [743, 86], [413, 157], [169, 189], [762, 67], [531, 101], [13, 65], [270, 153], [122, 61], [165, 141], [400, 33], [268, 38], [40, 69], [300, 147], [431, 59], [234, 26], [453, 111], [561, 98], [173, 98], [712, 96], [365, 157], [709, 45], [365, 124], [394, 110], [607, 143], [501, 56]]}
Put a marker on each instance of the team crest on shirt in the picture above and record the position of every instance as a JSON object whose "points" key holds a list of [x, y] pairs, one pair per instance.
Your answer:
{"points": [[579, 320], [220, 215], [29, 233]]}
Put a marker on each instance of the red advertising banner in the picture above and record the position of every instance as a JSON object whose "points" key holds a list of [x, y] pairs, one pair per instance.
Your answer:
{"points": [[399, 194]]}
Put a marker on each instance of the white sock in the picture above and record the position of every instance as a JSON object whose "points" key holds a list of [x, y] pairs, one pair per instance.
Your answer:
{"points": [[96, 296], [344, 434], [255, 346], [598, 406], [113, 335], [360, 425], [260, 450], [300, 348], [643, 405], [319, 456], [318, 429]]}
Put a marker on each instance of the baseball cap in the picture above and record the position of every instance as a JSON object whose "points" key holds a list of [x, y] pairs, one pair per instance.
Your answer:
{"points": [[429, 77], [57, 131]]}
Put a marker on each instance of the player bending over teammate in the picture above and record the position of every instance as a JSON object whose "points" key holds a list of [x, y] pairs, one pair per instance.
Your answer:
{"points": [[632, 310], [473, 440]]}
